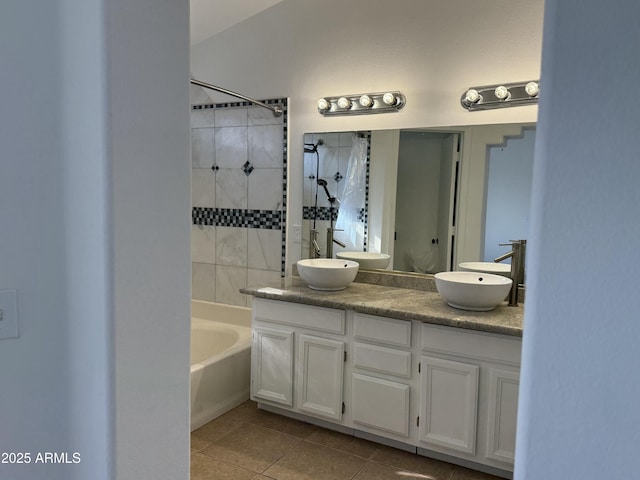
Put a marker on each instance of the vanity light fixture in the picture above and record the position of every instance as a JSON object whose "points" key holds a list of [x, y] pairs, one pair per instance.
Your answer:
{"points": [[323, 105], [499, 96], [501, 92], [344, 103], [365, 101], [472, 96], [532, 89], [390, 98], [361, 104]]}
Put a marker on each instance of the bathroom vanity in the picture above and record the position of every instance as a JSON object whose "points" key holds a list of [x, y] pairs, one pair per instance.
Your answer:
{"points": [[394, 365]]}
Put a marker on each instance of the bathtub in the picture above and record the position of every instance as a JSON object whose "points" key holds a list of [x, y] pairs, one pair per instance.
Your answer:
{"points": [[220, 359]]}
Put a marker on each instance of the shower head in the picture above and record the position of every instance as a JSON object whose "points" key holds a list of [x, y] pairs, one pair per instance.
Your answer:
{"points": [[313, 148], [323, 183]]}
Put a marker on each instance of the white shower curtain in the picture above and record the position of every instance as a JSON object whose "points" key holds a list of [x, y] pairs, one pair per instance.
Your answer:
{"points": [[353, 197]]}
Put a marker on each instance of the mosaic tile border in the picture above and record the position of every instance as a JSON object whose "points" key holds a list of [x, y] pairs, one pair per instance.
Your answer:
{"points": [[235, 217], [328, 213], [285, 156], [365, 213]]}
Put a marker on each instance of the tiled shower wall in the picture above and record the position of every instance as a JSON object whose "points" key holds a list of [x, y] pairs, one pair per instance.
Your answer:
{"points": [[238, 197], [331, 165]]}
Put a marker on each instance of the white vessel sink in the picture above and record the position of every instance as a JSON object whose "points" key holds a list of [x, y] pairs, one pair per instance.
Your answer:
{"points": [[486, 267], [367, 260], [472, 290], [327, 273]]}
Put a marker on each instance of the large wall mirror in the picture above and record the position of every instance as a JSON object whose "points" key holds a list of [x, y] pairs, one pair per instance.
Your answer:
{"points": [[430, 198]]}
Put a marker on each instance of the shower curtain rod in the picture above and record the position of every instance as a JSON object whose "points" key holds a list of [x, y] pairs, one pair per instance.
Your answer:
{"points": [[277, 111]]}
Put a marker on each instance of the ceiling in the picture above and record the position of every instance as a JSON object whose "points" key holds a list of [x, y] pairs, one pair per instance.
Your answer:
{"points": [[209, 17]]}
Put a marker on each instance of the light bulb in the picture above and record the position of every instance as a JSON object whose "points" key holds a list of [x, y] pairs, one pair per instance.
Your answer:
{"points": [[323, 105], [344, 102], [472, 96], [532, 89], [365, 101], [501, 92], [389, 98]]}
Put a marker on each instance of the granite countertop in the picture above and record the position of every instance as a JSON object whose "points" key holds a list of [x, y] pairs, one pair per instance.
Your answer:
{"points": [[394, 302]]}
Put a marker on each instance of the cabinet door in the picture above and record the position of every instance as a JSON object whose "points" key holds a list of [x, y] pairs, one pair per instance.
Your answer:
{"points": [[449, 404], [272, 365], [320, 376], [503, 410], [381, 404]]}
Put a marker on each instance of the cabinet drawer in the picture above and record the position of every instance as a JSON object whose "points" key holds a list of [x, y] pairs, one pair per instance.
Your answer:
{"points": [[383, 330], [484, 346], [382, 359], [311, 317]]}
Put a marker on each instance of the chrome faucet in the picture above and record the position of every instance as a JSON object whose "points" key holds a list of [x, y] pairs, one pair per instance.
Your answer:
{"points": [[517, 255], [314, 248], [331, 240]]}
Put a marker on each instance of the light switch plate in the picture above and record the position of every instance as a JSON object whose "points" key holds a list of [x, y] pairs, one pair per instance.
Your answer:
{"points": [[8, 314]]}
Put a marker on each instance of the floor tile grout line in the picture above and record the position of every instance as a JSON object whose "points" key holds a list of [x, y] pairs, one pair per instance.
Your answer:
{"points": [[226, 462], [281, 456], [342, 451], [241, 423], [306, 439], [359, 470], [248, 419]]}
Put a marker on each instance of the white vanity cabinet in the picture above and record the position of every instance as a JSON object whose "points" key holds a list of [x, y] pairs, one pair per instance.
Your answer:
{"points": [[297, 358], [449, 403], [469, 394], [272, 365], [319, 383], [440, 391]]}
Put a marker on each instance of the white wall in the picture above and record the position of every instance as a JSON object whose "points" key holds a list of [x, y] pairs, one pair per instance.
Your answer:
{"points": [[94, 208], [578, 414], [510, 170], [149, 134], [431, 51]]}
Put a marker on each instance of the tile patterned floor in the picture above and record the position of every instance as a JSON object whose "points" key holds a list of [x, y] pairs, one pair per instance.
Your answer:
{"points": [[251, 444]]}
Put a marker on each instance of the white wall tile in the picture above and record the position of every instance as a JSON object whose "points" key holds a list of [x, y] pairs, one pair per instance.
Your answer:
{"points": [[330, 139], [229, 281], [221, 255], [231, 147], [265, 146], [203, 187], [203, 244], [264, 249], [263, 116], [345, 139], [260, 278], [231, 246], [344, 153], [265, 189], [231, 188], [231, 117], [202, 118], [329, 161], [203, 281], [202, 147]]}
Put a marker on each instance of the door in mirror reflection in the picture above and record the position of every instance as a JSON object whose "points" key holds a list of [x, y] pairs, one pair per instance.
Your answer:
{"points": [[424, 215]]}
